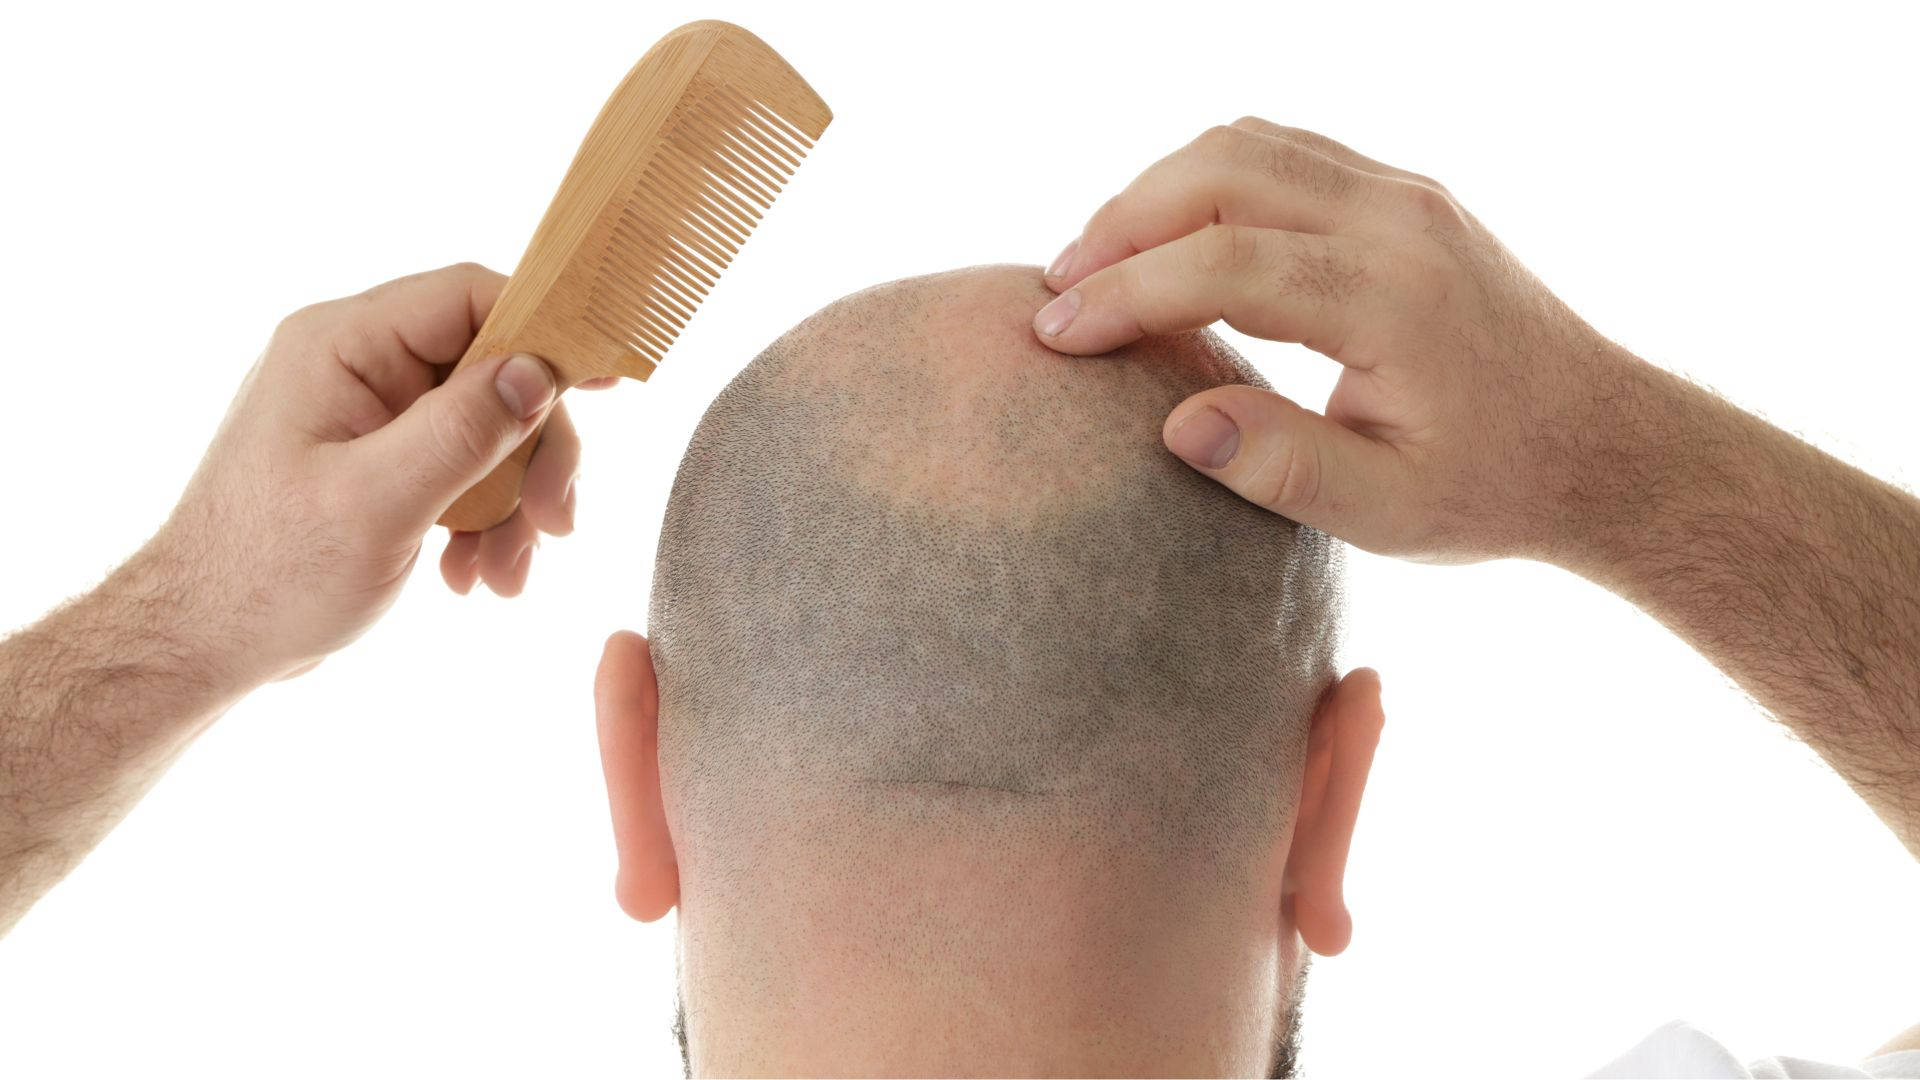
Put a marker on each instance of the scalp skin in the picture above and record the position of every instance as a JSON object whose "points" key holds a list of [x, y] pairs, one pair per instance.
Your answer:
{"points": [[931, 597]]}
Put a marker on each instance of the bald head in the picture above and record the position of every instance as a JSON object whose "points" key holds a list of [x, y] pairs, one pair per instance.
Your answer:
{"points": [[964, 681]]}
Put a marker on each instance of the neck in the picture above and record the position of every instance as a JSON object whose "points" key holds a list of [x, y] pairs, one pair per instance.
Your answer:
{"points": [[924, 957]]}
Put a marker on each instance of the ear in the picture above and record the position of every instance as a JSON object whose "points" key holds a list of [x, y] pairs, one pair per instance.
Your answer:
{"points": [[626, 700], [1340, 745]]}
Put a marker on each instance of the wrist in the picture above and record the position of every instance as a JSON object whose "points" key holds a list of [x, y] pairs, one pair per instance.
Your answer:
{"points": [[169, 609], [1651, 455]]}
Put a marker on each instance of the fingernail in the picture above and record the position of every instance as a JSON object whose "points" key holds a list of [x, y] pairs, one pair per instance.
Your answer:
{"points": [[1058, 314], [1064, 261], [1206, 439], [524, 384], [567, 502]]}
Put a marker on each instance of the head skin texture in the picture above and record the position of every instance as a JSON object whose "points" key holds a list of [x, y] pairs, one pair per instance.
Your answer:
{"points": [[977, 734]]}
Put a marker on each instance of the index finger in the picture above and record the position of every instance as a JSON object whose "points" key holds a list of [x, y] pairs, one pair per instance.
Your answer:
{"points": [[395, 334], [1268, 283], [1230, 175]]}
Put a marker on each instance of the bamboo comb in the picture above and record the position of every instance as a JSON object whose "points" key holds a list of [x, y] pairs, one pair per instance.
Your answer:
{"points": [[695, 142]]}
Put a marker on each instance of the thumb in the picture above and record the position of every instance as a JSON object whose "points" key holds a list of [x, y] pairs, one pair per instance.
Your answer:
{"points": [[452, 436], [1290, 460]]}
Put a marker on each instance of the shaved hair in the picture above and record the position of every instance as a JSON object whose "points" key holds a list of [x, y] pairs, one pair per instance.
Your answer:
{"points": [[922, 581]]}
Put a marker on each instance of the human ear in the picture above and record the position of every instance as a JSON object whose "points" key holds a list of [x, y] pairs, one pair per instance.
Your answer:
{"points": [[1340, 745], [626, 701]]}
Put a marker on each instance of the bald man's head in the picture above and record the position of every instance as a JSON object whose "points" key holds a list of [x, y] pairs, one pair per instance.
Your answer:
{"points": [[980, 713]]}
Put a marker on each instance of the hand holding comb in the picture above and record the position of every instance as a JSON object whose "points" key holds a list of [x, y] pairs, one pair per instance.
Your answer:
{"points": [[695, 142]]}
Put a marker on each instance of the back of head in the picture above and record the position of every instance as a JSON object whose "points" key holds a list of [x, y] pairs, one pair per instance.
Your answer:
{"points": [[981, 715]]}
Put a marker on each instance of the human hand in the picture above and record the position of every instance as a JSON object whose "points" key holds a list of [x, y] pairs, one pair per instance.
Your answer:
{"points": [[344, 444], [1476, 415]]}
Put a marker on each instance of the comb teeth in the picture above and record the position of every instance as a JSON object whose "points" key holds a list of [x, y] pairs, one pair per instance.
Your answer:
{"points": [[723, 157], [691, 148]]}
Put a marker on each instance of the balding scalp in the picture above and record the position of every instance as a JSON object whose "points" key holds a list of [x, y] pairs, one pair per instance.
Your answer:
{"points": [[912, 559]]}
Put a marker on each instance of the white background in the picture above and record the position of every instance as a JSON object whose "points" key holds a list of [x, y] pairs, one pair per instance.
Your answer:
{"points": [[401, 862]]}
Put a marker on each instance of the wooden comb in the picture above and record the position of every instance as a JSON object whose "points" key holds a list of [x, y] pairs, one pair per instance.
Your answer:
{"points": [[695, 142]]}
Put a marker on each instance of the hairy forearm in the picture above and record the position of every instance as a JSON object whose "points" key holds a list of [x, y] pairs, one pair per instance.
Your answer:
{"points": [[95, 700], [1795, 573]]}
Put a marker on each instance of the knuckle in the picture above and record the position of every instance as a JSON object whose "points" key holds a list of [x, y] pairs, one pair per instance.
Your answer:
{"points": [[472, 273], [1430, 206], [1226, 251], [301, 321], [1123, 285], [1109, 212], [1253, 123], [1287, 481], [456, 439], [1222, 140]]}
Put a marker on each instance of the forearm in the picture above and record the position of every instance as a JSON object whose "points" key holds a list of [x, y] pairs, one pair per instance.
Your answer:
{"points": [[1794, 573], [95, 700]]}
